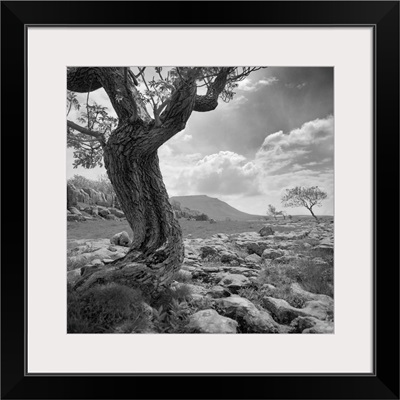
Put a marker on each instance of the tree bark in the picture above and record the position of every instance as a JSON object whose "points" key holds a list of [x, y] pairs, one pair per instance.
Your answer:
{"points": [[131, 161], [157, 251]]}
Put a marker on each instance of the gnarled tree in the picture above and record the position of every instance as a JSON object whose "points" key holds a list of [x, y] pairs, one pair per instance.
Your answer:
{"points": [[130, 155], [307, 197]]}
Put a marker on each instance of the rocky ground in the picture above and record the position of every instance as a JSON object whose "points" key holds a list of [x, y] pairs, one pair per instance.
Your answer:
{"points": [[252, 282]]}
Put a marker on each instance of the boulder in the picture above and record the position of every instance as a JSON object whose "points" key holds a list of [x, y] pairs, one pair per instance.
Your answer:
{"points": [[252, 319], [116, 212], [285, 313], [319, 309], [207, 251], [217, 292], [253, 259], [227, 257], [209, 321], [95, 263], [282, 311], [211, 269], [303, 295], [184, 274], [271, 254], [311, 325], [121, 239], [194, 289], [73, 276], [103, 212], [72, 195], [234, 282], [74, 210], [266, 231]]}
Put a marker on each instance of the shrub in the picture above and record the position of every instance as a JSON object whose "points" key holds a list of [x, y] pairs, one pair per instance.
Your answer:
{"points": [[201, 217], [316, 278], [312, 276], [101, 309], [165, 298]]}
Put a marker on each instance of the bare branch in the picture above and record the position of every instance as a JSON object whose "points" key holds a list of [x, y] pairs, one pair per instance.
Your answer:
{"points": [[140, 72], [209, 101], [86, 131]]}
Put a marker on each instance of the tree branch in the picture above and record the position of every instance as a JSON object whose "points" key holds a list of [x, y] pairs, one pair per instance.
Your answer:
{"points": [[209, 101], [86, 131], [124, 98]]}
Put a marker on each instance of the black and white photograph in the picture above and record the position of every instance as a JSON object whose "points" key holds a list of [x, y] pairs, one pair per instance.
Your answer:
{"points": [[200, 200]]}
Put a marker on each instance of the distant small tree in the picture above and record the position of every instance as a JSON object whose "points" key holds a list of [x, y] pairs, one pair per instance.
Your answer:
{"points": [[271, 211], [307, 197]]}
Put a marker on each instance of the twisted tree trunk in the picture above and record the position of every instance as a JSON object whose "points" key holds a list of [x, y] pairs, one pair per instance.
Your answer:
{"points": [[132, 164], [157, 249]]}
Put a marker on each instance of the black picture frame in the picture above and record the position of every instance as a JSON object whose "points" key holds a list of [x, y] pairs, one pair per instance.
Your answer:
{"points": [[383, 383]]}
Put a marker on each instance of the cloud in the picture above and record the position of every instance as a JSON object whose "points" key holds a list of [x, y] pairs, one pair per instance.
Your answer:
{"points": [[222, 173], [305, 147], [249, 86], [302, 157]]}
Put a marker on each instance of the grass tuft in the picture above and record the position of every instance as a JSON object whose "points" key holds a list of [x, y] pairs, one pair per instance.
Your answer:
{"points": [[103, 309]]}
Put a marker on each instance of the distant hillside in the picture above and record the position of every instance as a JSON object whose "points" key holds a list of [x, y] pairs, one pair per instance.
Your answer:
{"points": [[214, 208]]}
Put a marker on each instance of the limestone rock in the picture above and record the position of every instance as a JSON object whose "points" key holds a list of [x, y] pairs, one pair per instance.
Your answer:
{"points": [[266, 231], [209, 321], [302, 294], [253, 319], [121, 239], [311, 325], [271, 254], [74, 210], [103, 212], [285, 313], [227, 257], [217, 292], [207, 251], [253, 258], [234, 282], [184, 274], [73, 276], [282, 311], [116, 212]]}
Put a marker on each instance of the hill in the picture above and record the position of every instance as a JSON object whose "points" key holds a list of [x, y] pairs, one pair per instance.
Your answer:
{"points": [[214, 208]]}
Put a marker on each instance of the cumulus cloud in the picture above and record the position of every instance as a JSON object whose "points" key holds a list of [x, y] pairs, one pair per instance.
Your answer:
{"points": [[222, 173], [302, 157], [308, 146], [248, 85]]}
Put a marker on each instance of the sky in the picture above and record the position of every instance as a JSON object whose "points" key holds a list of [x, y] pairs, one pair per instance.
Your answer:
{"points": [[276, 133]]}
